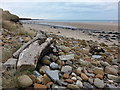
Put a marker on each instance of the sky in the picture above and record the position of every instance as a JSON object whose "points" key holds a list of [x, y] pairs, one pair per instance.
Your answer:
{"points": [[61, 9]]}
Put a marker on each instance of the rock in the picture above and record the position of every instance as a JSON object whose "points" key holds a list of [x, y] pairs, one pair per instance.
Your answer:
{"points": [[66, 57], [104, 63], [66, 69], [73, 74], [34, 79], [40, 79], [53, 75], [36, 73], [111, 87], [53, 65], [43, 69], [49, 85], [40, 86], [73, 87], [84, 63], [79, 83], [25, 81], [88, 74], [84, 77], [112, 77], [78, 71], [26, 39], [99, 83], [90, 80], [96, 56], [79, 78], [46, 79], [99, 76], [69, 62], [88, 85], [111, 70], [69, 81], [64, 83], [98, 71], [54, 58], [47, 62], [65, 76], [74, 78], [59, 62], [64, 48], [59, 82]]}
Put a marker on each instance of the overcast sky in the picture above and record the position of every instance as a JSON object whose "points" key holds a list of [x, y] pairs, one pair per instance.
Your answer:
{"points": [[95, 10]]}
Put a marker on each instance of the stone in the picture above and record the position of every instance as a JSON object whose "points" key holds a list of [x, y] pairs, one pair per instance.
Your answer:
{"points": [[91, 80], [66, 57], [85, 63], [36, 73], [64, 83], [49, 85], [74, 78], [111, 70], [69, 62], [79, 83], [53, 74], [59, 82], [79, 78], [84, 77], [99, 83], [26, 39], [99, 76], [96, 56], [46, 62], [104, 63], [40, 86], [34, 79], [78, 70], [54, 65], [25, 81], [46, 79], [69, 81], [112, 77], [65, 76], [88, 85], [88, 74], [64, 48], [66, 69], [73, 87], [73, 74], [54, 58], [98, 71], [40, 79], [111, 87], [59, 62], [43, 69]]}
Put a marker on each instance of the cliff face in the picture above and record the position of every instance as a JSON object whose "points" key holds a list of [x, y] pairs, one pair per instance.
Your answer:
{"points": [[6, 15]]}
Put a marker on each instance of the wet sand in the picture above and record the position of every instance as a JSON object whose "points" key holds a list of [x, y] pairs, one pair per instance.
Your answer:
{"points": [[77, 34]]}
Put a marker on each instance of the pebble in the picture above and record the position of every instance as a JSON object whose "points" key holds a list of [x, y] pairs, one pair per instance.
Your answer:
{"points": [[88, 85], [54, 58], [40, 79], [66, 69], [54, 65], [43, 69], [40, 86], [46, 79], [46, 62], [98, 71], [78, 71], [69, 81], [111, 70], [73, 87], [36, 73], [79, 83], [73, 74], [112, 77], [53, 74], [65, 76], [99, 76], [66, 57], [96, 56], [74, 78], [25, 81], [84, 77], [49, 85], [111, 87], [99, 83], [104, 63], [34, 79], [91, 80]]}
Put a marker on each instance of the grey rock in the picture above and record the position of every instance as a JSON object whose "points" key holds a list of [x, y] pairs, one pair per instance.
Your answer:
{"points": [[99, 83], [111, 87], [64, 83], [88, 85], [43, 69], [54, 65], [104, 63], [68, 62], [79, 83], [53, 74], [114, 78], [66, 69], [36, 73], [66, 57], [74, 78], [89, 74], [91, 80], [73, 87], [111, 70], [96, 56], [24, 81]]}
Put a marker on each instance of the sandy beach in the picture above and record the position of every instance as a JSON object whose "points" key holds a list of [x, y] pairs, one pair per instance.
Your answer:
{"points": [[77, 34]]}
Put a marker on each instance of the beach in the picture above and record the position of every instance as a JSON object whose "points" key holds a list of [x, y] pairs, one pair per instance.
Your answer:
{"points": [[80, 34]]}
